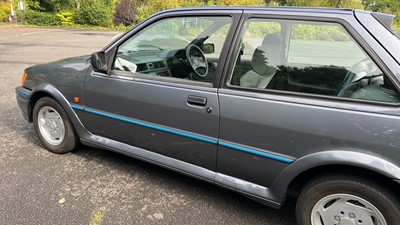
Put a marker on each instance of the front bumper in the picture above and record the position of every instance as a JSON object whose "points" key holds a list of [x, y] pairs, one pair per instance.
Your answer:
{"points": [[23, 99]]}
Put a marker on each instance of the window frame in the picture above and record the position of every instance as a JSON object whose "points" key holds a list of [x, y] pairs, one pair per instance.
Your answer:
{"points": [[340, 20], [112, 48]]}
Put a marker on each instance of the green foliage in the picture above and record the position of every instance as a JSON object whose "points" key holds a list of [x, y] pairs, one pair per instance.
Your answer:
{"points": [[274, 3], [50, 5], [320, 32], [42, 18], [66, 17], [34, 5], [327, 3], [311, 3], [103, 13], [240, 2], [94, 12], [4, 11], [150, 7], [259, 30], [385, 6]]}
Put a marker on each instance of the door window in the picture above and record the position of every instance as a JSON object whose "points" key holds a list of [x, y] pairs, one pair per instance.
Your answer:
{"points": [[308, 57], [175, 48]]}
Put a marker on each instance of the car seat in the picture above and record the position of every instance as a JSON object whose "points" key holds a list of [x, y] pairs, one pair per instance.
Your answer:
{"points": [[264, 62]]}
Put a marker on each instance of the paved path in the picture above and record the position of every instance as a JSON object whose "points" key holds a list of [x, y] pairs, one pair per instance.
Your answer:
{"points": [[92, 186]]}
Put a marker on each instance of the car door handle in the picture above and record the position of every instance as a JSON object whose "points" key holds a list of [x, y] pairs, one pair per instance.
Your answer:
{"points": [[196, 100]]}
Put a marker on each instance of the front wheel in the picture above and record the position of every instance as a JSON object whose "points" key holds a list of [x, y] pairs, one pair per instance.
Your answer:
{"points": [[345, 200], [53, 126]]}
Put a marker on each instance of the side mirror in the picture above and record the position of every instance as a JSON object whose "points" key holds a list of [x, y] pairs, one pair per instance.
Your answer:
{"points": [[208, 48], [98, 61]]}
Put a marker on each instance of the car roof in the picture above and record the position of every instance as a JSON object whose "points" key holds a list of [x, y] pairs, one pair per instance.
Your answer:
{"points": [[267, 8]]}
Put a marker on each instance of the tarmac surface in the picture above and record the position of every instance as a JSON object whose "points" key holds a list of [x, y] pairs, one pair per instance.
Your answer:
{"points": [[92, 186]]}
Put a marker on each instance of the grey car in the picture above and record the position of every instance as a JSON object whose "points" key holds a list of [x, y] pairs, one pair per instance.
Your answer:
{"points": [[267, 102]]}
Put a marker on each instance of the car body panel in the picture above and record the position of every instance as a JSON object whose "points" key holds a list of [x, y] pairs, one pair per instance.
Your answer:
{"points": [[355, 158], [253, 142], [297, 130], [151, 106], [386, 38]]}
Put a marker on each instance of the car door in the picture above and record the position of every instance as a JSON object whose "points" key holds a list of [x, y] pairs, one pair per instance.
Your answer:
{"points": [[160, 94], [299, 86]]}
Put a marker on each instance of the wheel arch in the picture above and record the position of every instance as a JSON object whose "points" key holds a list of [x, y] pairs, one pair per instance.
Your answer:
{"points": [[333, 162], [296, 184], [48, 90], [33, 99]]}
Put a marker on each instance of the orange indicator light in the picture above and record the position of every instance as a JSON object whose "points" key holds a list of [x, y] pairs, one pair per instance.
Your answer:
{"points": [[24, 78], [76, 99]]}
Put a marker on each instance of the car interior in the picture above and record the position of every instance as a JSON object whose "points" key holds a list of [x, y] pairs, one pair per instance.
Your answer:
{"points": [[280, 59], [174, 56], [270, 68]]}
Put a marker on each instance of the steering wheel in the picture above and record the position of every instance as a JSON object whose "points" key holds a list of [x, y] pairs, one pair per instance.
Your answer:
{"points": [[363, 69], [197, 60]]}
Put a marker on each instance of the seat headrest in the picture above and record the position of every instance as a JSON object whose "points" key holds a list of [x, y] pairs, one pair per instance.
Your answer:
{"points": [[267, 57], [360, 70], [272, 39]]}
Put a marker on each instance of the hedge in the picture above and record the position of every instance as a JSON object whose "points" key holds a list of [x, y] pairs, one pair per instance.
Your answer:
{"points": [[42, 18]]}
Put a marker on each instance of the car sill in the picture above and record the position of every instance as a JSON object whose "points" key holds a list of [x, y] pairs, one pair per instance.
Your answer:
{"points": [[254, 191]]}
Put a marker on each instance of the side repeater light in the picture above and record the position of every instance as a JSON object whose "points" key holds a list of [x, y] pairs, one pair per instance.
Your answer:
{"points": [[24, 78]]}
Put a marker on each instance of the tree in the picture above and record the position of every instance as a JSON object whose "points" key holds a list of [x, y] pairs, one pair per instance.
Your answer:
{"points": [[240, 2], [327, 3], [150, 7], [4, 11], [95, 12], [388, 6], [276, 2], [385, 6], [50, 5]]}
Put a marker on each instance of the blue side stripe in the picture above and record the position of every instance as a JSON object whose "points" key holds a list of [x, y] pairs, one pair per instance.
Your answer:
{"points": [[263, 154], [183, 134], [152, 126], [77, 107]]}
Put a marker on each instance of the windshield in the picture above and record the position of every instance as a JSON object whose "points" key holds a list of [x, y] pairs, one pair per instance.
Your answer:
{"points": [[175, 33]]}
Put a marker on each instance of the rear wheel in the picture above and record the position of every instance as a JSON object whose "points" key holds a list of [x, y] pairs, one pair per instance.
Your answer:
{"points": [[53, 126], [346, 200]]}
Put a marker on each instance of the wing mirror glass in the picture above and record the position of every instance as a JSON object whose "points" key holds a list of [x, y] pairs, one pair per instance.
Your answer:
{"points": [[98, 61], [208, 48]]}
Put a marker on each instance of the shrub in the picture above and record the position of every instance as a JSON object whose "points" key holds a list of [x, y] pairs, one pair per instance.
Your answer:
{"points": [[152, 6], [94, 12], [240, 2], [322, 33], [66, 17], [4, 11], [42, 19], [125, 13]]}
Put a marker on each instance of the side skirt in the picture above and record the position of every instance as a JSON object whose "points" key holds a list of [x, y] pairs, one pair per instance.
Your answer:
{"points": [[253, 191]]}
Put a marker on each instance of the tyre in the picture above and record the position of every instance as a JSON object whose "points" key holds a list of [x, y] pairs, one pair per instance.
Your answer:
{"points": [[53, 126], [339, 200]]}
